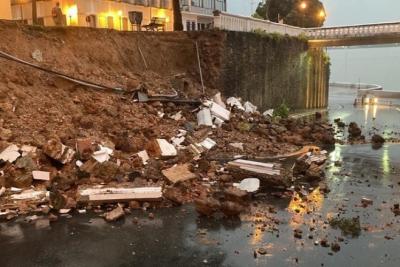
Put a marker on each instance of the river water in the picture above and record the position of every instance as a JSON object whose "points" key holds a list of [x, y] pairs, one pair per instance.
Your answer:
{"points": [[178, 237]]}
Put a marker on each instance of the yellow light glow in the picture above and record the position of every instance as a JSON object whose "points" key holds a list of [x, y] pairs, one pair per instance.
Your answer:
{"points": [[119, 13], [298, 206], [303, 5], [72, 13], [322, 14]]}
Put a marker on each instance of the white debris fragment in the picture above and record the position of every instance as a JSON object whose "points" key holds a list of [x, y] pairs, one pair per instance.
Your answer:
{"points": [[249, 107], [235, 102], [41, 175], [64, 211], [218, 111], [113, 194], [15, 190], [177, 116], [83, 211], [31, 195], [160, 114], [103, 154], [167, 149], [218, 99], [37, 55], [79, 163], [177, 141], [204, 117], [10, 154], [28, 150], [250, 185], [208, 143], [144, 156], [268, 113], [255, 166], [217, 121]]}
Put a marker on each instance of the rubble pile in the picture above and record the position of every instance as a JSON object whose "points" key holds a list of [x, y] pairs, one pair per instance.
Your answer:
{"points": [[197, 157], [152, 139]]}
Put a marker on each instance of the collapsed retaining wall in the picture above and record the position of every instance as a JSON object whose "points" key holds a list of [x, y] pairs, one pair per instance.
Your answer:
{"points": [[265, 69]]}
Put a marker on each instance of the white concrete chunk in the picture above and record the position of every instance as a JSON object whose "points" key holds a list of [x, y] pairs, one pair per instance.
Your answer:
{"points": [[220, 112], [204, 117], [144, 156], [103, 154], [41, 175], [167, 149], [208, 143], [249, 107], [10, 154]]}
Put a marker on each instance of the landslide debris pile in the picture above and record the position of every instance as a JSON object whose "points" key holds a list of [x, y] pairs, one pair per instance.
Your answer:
{"points": [[65, 146]]}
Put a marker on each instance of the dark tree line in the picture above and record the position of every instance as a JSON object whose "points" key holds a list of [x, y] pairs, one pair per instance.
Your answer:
{"points": [[301, 13]]}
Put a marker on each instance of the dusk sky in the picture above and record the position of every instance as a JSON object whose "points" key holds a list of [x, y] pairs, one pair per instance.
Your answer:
{"points": [[339, 11], [353, 64]]}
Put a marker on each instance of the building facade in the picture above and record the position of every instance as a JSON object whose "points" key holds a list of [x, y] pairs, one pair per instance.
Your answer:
{"points": [[5, 9], [198, 14], [115, 14]]}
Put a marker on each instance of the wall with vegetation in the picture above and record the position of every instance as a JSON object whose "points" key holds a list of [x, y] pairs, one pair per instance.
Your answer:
{"points": [[271, 69]]}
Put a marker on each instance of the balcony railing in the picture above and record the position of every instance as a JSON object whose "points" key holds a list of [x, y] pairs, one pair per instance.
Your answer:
{"points": [[225, 21]]}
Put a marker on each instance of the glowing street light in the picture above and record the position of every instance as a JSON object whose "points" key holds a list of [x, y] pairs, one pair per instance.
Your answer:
{"points": [[303, 5]]}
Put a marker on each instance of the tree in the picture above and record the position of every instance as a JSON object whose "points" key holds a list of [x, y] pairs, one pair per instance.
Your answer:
{"points": [[301, 13], [178, 25]]}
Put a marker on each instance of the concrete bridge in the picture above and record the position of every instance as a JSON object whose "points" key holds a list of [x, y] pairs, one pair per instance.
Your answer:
{"points": [[355, 35]]}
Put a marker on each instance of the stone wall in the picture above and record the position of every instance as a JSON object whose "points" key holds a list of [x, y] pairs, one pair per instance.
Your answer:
{"points": [[268, 70]]}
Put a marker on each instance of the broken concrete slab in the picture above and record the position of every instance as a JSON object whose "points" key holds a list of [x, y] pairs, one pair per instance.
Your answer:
{"points": [[31, 195], [28, 150], [255, 166], [249, 107], [56, 150], [179, 173], [115, 214], [102, 194], [219, 111], [167, 149], [10, 154], [208, 143], [103, 154], [204, 117], [235, 102], [268, 113], [144, 156], [217, 98], [41, 175]]}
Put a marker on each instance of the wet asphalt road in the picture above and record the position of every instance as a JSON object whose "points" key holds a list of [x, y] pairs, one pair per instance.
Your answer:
{"points": [[177, 237]]}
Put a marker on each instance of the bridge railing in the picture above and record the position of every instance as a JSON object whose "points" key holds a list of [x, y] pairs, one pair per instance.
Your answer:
{"points": [[230, 22], [353, 31]]}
